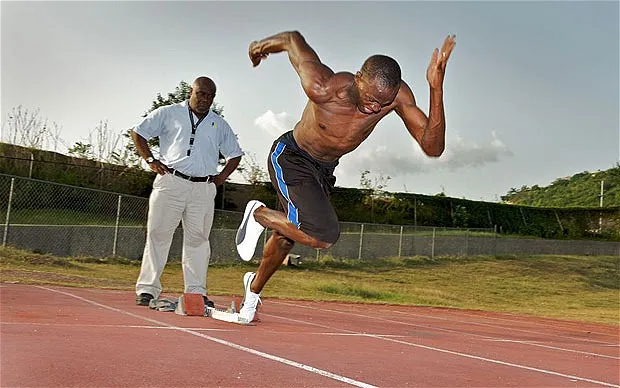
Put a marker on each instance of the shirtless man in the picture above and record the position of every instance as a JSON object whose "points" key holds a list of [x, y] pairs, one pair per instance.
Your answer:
{"points": [[342, 110]]}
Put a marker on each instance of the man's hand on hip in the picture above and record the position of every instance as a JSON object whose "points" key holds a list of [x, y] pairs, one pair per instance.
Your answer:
{"points": [[218, 179], [159, 167]]}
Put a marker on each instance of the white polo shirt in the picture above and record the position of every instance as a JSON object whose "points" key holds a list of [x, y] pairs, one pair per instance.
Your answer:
{"points": [[171, 123]]}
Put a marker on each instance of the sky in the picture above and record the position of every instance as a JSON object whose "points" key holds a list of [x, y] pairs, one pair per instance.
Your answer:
{"points": [[531, 91]]}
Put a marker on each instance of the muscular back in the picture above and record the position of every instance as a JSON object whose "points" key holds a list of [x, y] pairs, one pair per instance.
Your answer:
{"points": [[334, 126]]}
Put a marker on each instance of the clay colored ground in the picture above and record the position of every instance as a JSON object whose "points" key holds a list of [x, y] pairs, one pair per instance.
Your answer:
{"points": [[67, 337]]}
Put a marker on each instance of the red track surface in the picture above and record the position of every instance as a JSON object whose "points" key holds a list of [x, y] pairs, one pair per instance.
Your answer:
{"points": [[55, 336]]}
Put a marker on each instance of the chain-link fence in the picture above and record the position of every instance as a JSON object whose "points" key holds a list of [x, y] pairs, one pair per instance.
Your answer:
{"points": [[72, 221]]}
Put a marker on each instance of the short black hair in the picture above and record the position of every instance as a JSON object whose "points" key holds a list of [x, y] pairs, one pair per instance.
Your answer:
{"points": [[384, 69]]}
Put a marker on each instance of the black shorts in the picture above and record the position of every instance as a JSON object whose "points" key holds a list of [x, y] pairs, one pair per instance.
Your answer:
{"points": [[303, 185]]}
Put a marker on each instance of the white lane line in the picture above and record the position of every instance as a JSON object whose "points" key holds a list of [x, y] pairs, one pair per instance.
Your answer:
{"points": [[532, 343], [255, 352], [114, 326], [353, 334], [433, 328], [504, 363], [559, 324], [504, 327], [545, 371], [149, 327]]}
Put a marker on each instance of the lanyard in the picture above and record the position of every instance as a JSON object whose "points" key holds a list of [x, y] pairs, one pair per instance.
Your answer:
{"points": [[194, 127]]}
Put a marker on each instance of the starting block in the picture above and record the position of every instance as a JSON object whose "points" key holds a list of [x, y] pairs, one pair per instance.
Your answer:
{"points": [[229, 315], [193, 304], [190, 304]]}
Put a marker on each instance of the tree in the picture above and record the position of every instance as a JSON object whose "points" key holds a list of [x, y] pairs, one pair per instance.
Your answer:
{"points": [[582, 190], [105, 142], [460, 217], [82, 150], [251, 170], [54, 136], [102, 145], [29, 129], [374, 186], [181, 93]]}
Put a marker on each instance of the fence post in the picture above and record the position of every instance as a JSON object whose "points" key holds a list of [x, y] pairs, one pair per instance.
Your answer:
{"points": [[433, 245], [118, 216], [359, 253], [467, 242], [400, 241], [31, 162], [8, 213], [523, 216], [559, 222]]}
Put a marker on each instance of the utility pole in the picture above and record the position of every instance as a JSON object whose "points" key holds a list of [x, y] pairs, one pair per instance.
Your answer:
{"points": [[600, 217]]}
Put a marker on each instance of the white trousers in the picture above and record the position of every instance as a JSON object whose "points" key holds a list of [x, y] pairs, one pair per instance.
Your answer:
{"points": [[175, 199]]}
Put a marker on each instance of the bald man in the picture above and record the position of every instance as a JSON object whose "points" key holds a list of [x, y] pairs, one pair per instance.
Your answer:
{"points": [[191, 138]]}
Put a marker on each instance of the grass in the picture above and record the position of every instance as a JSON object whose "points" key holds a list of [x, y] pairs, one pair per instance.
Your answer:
{"points": [[63, 217], [583, 288]]}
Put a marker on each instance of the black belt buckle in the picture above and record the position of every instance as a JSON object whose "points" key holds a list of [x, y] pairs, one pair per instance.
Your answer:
{"points": [[198, 178], [207, 178]]}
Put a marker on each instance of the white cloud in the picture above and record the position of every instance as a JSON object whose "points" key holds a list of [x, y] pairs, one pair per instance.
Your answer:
{"points": [[459, 154], [463, 154], [274, 124]]}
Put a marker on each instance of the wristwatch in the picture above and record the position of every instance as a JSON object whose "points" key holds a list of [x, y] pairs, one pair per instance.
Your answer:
{"points": [[150, 159]]}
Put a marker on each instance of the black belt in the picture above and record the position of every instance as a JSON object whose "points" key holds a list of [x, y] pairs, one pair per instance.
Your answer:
{"points": [[208, 178]]}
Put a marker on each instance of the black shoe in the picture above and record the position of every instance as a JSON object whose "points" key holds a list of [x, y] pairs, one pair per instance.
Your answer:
{"points": [[143, 299], [208, 303]]}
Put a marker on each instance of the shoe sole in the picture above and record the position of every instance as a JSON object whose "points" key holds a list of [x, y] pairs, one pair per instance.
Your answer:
{"points": [[248, 233]]}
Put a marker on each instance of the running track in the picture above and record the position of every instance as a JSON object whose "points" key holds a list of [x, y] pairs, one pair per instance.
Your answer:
{"points": [[70, 337]]}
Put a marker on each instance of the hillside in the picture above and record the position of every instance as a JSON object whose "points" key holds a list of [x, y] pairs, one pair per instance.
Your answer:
{"points": [[580, 190]]}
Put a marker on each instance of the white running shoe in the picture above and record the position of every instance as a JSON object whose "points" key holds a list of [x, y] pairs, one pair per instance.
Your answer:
{"points": [[250, 299], [249, 231]]}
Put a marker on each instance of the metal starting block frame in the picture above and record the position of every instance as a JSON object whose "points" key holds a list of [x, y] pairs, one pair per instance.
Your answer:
{"points": [[230, 315], [193, 304]]}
